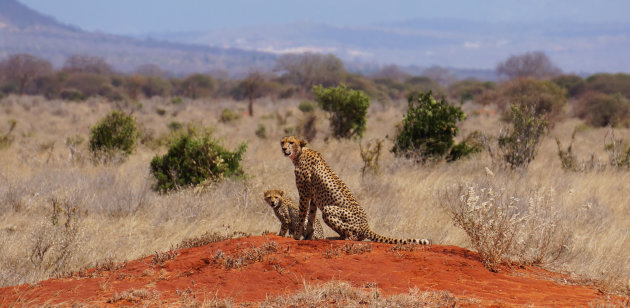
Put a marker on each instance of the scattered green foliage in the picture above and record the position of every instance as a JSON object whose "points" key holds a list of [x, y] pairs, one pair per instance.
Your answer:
{"points": [[370, 155], [472, 144], [348, 109], [307, 127], [261, 131], [177, 100], [428, 128], [520, 144], [567, 158], [545, 96], [228, 115], [6, 140], [195, 160], [600, 109], [618, 151], [307, 106], [117, 132], [175, 126]]}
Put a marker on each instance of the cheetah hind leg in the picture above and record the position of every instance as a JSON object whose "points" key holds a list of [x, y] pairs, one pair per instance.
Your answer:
{"points": [[345, 230]]}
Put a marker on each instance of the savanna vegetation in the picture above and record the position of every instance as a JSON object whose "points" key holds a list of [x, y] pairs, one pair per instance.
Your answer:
{"points": [[534, 169]]}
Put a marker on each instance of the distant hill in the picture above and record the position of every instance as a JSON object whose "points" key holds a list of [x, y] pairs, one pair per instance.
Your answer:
{"points": [[23, 30], [476, 46], [16, 16], [466, 48]]}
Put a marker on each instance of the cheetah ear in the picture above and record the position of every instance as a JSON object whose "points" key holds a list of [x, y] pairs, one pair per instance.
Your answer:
{"points": [[302, 142], [281, 192]]}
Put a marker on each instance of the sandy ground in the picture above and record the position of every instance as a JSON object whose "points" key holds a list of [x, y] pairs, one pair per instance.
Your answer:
{"points": [[249, 269]]}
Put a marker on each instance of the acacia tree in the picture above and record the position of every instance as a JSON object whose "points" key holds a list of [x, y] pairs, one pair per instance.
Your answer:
{"points": [[150, 69], [197, 86], [24, 68], [253, 87], [309, 69], [533, 64], [392, 72], [87, 64]]}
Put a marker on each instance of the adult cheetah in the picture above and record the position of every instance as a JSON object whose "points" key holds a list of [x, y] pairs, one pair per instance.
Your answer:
{"points": [[319, 187], [288, 214]]}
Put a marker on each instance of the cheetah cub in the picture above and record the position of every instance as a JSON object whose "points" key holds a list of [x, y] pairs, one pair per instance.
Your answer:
{"points": [[288, 214]]}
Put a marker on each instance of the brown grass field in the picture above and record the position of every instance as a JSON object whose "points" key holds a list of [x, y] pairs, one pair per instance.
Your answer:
{"points": [[109, 212]]}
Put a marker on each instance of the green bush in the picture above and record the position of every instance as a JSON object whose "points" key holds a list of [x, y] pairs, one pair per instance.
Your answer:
{"points": [[545, 96], [520, 144], [261, 131], [117, 132], [307, 106], [348, 109], [573, 84], [600, 109], [228, 115], [609, 83], [194, 160], [469, 89], [428, 128], [6, 139], [472, 144]]}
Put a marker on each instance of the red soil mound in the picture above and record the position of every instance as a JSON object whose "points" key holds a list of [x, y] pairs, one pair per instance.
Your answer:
{"points": [[250, 269]]}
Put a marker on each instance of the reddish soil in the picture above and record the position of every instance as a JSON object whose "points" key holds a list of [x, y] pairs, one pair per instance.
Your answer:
{"points": [[196, 272]]}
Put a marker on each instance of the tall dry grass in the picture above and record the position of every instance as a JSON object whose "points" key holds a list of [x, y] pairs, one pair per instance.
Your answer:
{"points": [[113, 213]]}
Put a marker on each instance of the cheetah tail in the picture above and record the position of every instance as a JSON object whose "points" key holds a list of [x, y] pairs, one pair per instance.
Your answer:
{"points": [[383, 239]]}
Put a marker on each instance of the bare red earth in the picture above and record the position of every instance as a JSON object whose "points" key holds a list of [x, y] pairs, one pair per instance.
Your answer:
{"points": [[295, 263]]}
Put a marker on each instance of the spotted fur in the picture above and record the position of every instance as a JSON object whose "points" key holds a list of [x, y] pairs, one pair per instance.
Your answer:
{"points": [[288, 214], [319, 187]]}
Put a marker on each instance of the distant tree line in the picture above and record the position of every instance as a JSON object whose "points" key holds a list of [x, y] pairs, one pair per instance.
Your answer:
{"points": [[600, 99]]}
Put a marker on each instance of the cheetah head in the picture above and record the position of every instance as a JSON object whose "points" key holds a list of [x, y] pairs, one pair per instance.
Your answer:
{"points": [[292, 146], [274, 197]]}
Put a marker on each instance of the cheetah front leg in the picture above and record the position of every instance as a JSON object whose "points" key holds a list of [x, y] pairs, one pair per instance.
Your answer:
{"points": [[283, 229], [309, 229], [304, 206]]}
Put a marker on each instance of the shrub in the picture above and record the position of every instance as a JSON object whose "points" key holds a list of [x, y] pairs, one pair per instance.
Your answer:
{"points": [[307, 106], [156, 86], [508, 227], [6, 139], [472, 144], [600, 109], [174, 126], [618, 151], [261, 131], [520, 144], [370, 155], [567, 158], [468, 89], [348, 109], [86, 85], [609, 83], [194, 160], [228, 115], [117, 132], [545, 96], [573, 84], [197, 86], [428, 128], [307, 127]]}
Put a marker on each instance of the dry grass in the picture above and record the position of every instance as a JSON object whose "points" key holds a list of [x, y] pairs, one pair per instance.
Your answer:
{"points": [[342, 294], [114, 215], [245, 257]]}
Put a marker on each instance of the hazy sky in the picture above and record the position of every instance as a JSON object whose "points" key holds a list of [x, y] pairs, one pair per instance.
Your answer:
{"points": [[146, 16]]}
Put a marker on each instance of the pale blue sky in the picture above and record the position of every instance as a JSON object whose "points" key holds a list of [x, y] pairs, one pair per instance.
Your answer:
{"points": [[146, 16]]}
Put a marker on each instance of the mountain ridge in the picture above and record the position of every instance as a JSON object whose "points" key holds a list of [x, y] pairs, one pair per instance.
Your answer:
{"points": [[23, 30]]}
